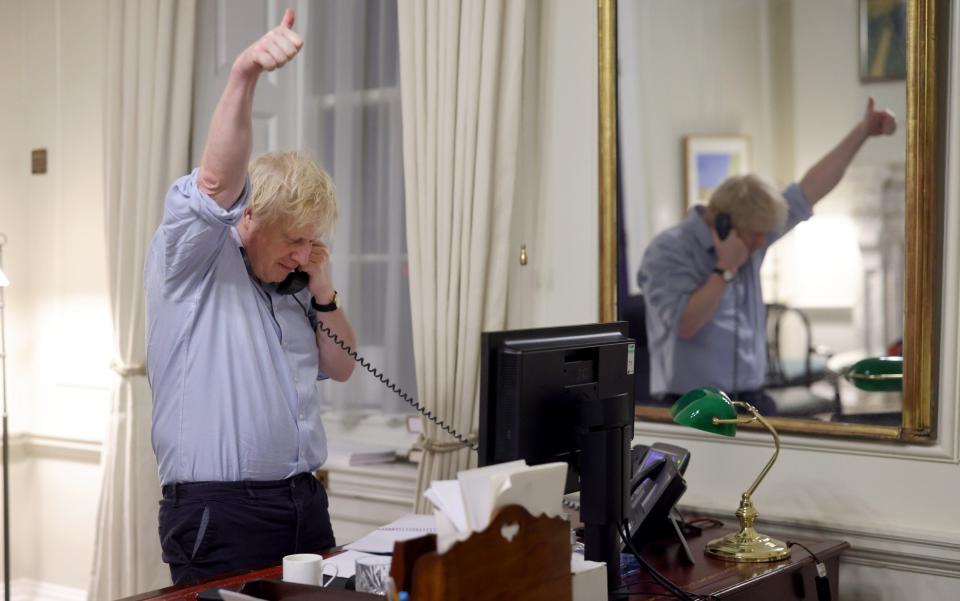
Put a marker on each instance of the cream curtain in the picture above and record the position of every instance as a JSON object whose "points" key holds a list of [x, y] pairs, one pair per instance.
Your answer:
{"points": [[460, 81], [148, 92]]}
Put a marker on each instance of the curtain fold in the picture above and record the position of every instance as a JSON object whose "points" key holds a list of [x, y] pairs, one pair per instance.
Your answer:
{"points": [[460, 79], [148, 94]]}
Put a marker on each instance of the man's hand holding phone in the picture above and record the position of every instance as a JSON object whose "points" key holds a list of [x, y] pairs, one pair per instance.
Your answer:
{"points": [[731, 253], [318, 267]]}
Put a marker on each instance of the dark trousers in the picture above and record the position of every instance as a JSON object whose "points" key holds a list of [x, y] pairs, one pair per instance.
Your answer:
{"points": [[213, 528], [763, 402]]}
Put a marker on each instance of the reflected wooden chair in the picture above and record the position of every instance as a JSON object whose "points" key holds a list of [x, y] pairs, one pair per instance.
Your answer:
{"points": [[794, 362]]}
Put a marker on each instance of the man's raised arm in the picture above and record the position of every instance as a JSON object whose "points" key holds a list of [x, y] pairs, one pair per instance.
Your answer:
{"points": [[822, 177], [230, 139]]}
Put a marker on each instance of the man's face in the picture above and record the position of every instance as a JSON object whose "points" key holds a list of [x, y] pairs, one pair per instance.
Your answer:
{"points": [[276, 249], [752, 239]]}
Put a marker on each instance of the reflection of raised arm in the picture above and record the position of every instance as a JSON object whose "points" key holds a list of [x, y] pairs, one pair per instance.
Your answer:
{"points": [[822, 177], [230, 139]]}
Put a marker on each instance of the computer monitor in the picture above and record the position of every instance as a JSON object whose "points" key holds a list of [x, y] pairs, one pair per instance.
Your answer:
{"points": [[566, 394]]}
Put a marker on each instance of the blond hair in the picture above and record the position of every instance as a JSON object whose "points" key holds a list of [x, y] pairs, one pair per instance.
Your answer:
{"points": [[751, 203], [290, 187]]}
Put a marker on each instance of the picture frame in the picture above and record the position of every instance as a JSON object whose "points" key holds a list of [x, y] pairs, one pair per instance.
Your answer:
{"points": [[883, 40], [709, 160]]}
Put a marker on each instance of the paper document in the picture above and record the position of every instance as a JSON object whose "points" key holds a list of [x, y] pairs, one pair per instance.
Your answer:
{"points": [[538, 488], [381, 540], [467, 504], [481, 486]]}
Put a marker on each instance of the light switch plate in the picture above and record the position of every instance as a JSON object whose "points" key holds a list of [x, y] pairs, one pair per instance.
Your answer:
{"points": [[38, 161]]}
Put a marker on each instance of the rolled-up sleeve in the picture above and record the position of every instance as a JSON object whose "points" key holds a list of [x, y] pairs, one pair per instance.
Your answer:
{"points": [[798, 209], [194, 227], [668, 276]]}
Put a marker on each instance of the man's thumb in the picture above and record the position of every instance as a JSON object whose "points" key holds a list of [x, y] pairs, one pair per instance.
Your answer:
{"points": [[288, 17]]}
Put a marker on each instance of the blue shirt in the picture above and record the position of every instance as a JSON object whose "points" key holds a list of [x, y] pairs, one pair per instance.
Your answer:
{"points": [[677, 263], [233, 365]]}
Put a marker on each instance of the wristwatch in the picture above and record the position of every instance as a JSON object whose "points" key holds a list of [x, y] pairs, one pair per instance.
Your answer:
{"points": [[331, 306], [726, 274]]}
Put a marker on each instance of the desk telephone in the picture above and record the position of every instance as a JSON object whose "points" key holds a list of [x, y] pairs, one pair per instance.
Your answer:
{"points": [[656, 484]]}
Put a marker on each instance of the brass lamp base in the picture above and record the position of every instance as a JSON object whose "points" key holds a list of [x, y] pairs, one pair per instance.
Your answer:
{"points": [[748, 545]]}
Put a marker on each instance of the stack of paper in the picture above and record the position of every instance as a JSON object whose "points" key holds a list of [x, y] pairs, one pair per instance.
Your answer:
{"points": [[467, 504], [381, 540]]}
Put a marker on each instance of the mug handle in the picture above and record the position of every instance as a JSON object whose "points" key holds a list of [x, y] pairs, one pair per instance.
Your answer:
{"points": [[336, 570]]}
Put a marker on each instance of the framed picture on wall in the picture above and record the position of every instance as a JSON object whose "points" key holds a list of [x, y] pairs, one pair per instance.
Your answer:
{"points": [[708, 160], [883, 40]]}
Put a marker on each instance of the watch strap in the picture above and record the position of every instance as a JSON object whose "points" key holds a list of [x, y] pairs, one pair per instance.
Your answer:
{"points": [[333, 305]]}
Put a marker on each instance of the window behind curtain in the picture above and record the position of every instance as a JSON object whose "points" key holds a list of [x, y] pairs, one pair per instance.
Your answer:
{"points": [[352, 120]]}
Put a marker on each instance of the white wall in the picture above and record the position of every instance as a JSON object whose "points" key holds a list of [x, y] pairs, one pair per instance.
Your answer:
{"points": [[57, 306], [556, 212]]}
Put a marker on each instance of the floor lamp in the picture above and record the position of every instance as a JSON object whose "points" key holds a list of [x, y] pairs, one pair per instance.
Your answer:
{"points": [[4, 282]]}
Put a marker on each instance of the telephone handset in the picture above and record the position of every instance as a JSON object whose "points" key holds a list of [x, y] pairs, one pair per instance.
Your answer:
{"points": [[294, 282], [724, 224], [298, 280]]}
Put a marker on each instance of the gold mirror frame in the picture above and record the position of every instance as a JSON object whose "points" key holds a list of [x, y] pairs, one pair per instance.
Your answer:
{"points": [[927, 45]]}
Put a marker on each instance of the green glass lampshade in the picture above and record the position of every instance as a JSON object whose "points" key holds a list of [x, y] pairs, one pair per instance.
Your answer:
{"points": [[698, 407], [876, 374]]}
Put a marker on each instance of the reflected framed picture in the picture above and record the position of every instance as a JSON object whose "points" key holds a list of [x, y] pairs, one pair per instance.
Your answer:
{"points": [[883, 40], [708, 160]]}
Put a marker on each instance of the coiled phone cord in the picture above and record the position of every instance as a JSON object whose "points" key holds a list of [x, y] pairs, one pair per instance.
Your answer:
{"points": [[390, 385]]}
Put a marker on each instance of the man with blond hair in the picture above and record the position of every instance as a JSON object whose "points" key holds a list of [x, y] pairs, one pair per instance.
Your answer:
{"points": [[706, 321], [233, 351]]}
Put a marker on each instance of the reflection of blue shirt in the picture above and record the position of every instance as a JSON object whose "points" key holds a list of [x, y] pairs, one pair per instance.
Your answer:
{"points": [[232, 365], [677, 263]]}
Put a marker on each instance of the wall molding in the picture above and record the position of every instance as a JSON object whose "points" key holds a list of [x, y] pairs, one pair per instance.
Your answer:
{"points": [[946, 450], [900, 550], [27, 589], [25, 445]]}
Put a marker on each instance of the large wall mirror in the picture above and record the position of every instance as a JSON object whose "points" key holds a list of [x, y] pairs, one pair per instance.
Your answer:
{"points": [[693, 90]]}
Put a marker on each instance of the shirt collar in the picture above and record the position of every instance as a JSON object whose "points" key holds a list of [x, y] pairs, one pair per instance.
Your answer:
{"points": [[246, 262], [699, 227]]}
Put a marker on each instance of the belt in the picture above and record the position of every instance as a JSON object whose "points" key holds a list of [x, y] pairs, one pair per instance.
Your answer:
{"points": [[244, 488]]}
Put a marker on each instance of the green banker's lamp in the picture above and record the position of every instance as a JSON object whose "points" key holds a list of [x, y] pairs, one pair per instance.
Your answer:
{"points": [[876, 374], [711, 410]]}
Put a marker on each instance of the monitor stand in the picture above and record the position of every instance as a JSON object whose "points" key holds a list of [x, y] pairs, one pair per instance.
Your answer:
{"points": [[606, 431]]}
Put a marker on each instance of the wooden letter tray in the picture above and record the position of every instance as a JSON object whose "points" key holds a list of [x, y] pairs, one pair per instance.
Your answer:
{"points": [[517, 557]]}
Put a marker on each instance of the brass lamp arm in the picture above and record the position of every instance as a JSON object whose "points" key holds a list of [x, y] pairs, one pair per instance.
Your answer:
{"points": [[776, 441]]}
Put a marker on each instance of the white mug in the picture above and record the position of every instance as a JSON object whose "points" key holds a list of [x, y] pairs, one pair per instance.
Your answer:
{"points": [[307, 568]]}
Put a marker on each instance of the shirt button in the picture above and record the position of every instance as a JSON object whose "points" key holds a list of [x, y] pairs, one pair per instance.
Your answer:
{"points": [[296, 379], [301, 417]]}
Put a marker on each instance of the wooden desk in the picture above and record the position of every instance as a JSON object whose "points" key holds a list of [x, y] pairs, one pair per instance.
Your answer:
{"points": [[784, 580], [787, 580]]}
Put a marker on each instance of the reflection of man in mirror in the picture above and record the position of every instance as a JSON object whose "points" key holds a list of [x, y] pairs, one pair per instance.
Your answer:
{"points": [[706, 320]]}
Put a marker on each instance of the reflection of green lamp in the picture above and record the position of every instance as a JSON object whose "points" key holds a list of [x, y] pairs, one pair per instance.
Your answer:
{"points": [[711, 410], [876, 374]]}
